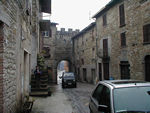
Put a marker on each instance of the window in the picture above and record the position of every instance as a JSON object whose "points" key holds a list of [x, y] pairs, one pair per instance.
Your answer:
{"points": [[105, 47], [142, 1], [123, 39], [122, 15], [102, 96], [97, 92], [45, 34], [104, 20], [146, 33], [125, 71], [82, 60]]}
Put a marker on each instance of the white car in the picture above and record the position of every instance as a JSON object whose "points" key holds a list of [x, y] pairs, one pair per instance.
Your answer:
{"points": [[121, 96]]}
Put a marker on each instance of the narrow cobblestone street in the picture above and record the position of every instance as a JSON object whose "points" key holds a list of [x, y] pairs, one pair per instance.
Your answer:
{"points": [[68, 100], [80, 97]]}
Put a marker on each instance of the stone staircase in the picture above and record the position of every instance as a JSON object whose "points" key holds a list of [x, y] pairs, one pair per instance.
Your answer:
{"points": [[42, 89]]}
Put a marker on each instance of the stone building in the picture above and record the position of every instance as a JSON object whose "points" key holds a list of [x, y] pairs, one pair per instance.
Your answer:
{"points": [[48, 42], [84, 54], [63, 48], [56, 44], [123, 44], [19, 41]]}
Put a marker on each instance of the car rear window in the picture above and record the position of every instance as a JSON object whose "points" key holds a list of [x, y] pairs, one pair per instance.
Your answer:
{"points": [[68, 75], [132, 99]]}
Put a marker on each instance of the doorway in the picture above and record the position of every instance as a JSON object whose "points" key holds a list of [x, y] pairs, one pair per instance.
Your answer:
{"points": [[63, 66], [106, 71], [147, 68], [100, 71], [84, 74]]}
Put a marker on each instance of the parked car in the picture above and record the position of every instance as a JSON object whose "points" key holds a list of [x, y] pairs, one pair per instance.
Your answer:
{"points": [[121, 96], [68, 79]]}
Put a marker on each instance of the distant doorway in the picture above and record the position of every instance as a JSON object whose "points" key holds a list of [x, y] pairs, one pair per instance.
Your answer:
{"points": [[147, 68], [84, 74], [106, 71], [100, 71], [62, 67], [93, 76]]}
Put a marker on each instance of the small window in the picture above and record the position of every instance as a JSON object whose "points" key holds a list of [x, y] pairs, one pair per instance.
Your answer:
{"points": [[125, 69], [146, 33], [142, 1], [104, 20], [122, 15], [82, 60], [123, 39], [45, 34]]}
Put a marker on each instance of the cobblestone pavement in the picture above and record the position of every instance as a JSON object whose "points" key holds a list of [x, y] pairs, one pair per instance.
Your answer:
{"points": [[68, 100], [80, 97], [58, 102]]}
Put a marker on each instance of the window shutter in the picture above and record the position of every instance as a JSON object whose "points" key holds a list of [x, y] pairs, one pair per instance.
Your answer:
{"points": [[122, 15], [104, 20], [123, 39], [146, 33]]}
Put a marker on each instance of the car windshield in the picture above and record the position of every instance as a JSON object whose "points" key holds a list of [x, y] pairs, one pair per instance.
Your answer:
{"points": [[68, 75], [132, 100]]}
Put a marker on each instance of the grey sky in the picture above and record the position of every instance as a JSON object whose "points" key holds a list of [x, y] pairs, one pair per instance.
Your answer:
{"points": [[75, 13]]}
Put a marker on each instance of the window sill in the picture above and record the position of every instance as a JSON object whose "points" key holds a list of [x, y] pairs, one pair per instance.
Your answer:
{"points": [[146, 43], [123, 46], [122, 25]]}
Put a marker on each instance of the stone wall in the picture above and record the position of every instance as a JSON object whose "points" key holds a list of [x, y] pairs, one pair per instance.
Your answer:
{"points": [[136, 16], [60, 47], [1, 66], [84, 53], [16, 53]]}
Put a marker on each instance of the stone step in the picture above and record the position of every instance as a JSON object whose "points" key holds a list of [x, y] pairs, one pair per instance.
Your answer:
{"points": [[43, 85], [39, 93], [39, 89]]}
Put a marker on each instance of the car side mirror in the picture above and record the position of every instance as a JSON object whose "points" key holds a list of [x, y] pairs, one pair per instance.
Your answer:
{"points": [[103, 108]]}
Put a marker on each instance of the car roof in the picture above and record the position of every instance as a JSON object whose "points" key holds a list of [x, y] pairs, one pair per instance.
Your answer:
{"points": [[125, 83]]}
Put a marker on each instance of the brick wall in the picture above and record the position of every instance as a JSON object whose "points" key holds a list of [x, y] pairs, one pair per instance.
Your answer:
{"points": [[1, 67]]}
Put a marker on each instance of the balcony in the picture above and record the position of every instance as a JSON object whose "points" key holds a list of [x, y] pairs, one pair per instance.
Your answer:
{"points": [[103, 53]]}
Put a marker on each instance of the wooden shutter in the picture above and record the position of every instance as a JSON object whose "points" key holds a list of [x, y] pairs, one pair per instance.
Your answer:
{"points": [[105, 47], [122, 15], [123, 39], [104, 20], [146, 33]]}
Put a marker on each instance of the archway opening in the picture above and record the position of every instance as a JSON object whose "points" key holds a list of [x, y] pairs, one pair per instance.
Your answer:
{"points": [[63, 66]]}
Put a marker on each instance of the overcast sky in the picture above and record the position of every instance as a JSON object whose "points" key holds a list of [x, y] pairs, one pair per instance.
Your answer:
{"points": [[75, 14]]}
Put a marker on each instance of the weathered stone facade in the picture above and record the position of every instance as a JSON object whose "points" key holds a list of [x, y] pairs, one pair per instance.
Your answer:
{"points": [[132, 55], [18, 48], [84, 54], [60, 47]]}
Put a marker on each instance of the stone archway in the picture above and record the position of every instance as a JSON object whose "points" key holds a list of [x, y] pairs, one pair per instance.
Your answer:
{"points": [[56, 64], [147, 68]]}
